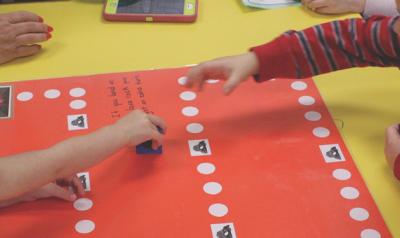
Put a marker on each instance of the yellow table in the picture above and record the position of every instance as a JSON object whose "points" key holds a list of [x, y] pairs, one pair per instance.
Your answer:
{"points": [[366, 100]]}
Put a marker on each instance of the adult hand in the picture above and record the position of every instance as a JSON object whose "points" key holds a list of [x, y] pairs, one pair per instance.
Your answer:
{"points": [[335, 6], [392, 144], [20, 33]]}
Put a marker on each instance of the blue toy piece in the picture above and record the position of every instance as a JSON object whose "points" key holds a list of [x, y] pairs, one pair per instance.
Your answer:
{"points": [[146, 147]]}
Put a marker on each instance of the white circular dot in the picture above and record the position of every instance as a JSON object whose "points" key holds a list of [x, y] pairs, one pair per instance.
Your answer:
{"points": [[359, 214], [84, 226], [194, 128], [218, 210], [83, 204], [299, 86], [188, 96], [206, 168], [77, 92], [52, 93], [370, 233], [212, 188], [349, 193], [313, 116], [190, 111], [321, 132], [182, 80], [24, 96], [212, 81], [341, 174], [306, 100], [77, 104]]}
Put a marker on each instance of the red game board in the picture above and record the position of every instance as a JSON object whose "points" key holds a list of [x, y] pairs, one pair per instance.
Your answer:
{"points": [[266, 161]]}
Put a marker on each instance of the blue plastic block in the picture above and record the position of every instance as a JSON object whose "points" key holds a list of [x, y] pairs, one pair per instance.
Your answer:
{"points": [[145, 147]]}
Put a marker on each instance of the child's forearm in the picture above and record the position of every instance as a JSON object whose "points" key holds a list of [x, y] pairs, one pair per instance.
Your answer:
{"points": [[330, 47], [24, 172]]}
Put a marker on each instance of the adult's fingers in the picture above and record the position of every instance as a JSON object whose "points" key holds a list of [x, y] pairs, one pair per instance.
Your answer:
{"points": [[31, 27], [27, 50], [324, 10], [392, 132], [23, 16], [32, 38], [54, 190], [158, 121], [306, 3], [317, 4]]}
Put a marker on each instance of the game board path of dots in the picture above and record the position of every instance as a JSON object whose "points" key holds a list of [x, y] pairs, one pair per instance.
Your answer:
{"points": [[201, 147], [219, 210], [77, 103]]}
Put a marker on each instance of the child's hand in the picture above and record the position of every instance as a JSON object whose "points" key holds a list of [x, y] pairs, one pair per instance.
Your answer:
{"points": [[67, 189], [335, 6], [392, 144], [73, 183], [233, 69], [48, 191], [138, 127]]}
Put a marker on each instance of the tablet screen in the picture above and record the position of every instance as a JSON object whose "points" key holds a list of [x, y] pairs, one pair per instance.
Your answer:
{"points": [[151, 6]]}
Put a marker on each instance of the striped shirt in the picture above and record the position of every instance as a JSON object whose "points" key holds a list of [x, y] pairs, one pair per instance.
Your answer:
{"points": [[329, 47]]}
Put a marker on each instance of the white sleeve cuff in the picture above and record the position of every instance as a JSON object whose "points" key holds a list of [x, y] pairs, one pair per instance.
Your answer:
{"points": [[380, 7]]}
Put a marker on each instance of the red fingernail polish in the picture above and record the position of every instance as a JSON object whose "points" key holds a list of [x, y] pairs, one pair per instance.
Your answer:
{"points": [[40, 19], [49, 29], [48, 35]]}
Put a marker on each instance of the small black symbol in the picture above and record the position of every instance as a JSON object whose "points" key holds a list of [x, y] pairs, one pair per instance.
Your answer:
{"points": [[82, 178], [79, 122], [334, 153], [201, 147], [226, 232]]}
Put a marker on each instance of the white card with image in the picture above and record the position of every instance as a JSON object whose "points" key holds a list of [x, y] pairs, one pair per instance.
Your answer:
{"points": [[223, 230], [332, 153], [85, 180], [199, 147], [77, 122]]}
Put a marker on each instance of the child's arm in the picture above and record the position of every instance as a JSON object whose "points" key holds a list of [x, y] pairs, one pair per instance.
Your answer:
{"points": [[28, 171], [320, 49], [392, 149], [329, 47]]}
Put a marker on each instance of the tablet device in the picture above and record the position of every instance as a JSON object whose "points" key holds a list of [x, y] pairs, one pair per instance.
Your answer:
{"points": [[151, 10]]}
